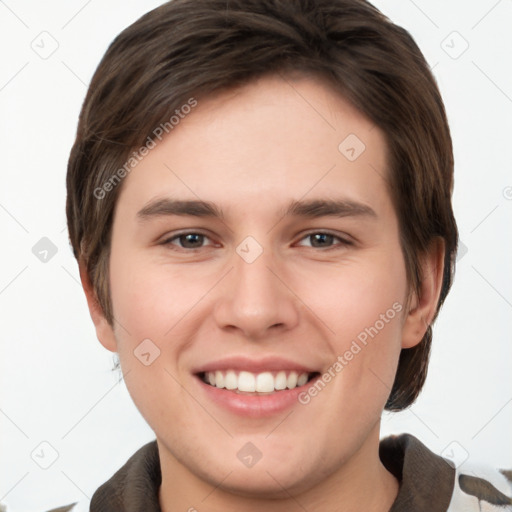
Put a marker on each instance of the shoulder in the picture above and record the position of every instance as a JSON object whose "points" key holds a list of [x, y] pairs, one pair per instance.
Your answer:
{"points": [[135, 485], [78, 506], [431, 482], [481, 488]]}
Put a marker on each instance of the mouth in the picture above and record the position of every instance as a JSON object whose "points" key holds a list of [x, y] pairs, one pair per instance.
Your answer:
{"points": [[257, 384], [253, 387]]}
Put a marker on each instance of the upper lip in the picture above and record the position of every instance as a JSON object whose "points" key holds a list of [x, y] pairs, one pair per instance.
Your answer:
{"points": [[254, 365]]}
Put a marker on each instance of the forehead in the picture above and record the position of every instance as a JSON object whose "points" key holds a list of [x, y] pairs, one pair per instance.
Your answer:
{"points": [[274, 140]]}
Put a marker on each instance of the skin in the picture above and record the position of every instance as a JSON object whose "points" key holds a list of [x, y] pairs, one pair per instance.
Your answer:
{"points": [[251, 151]]}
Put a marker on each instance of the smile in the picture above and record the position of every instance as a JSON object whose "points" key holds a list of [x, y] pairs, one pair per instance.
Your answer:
{"points": [[254, 387], [262, 382]]}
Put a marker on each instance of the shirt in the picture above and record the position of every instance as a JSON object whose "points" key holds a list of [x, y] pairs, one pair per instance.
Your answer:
{"points": [[428, 482]]}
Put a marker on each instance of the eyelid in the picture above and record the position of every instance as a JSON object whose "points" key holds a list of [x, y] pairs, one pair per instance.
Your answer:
{"points": [[167, 240], [343, 240]]}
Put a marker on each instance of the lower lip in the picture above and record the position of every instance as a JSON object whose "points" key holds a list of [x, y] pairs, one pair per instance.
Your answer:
{"points": [[255, 406]]}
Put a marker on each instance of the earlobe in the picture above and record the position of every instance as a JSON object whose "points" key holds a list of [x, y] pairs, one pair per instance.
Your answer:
{"points": [[423, 305], [104, 331]]}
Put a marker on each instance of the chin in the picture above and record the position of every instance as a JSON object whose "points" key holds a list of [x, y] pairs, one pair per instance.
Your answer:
{"points": [[266, 485], [275, 478]]}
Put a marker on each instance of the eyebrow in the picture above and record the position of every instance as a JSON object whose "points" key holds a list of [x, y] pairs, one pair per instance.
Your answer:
{"points": [[310, 209]]}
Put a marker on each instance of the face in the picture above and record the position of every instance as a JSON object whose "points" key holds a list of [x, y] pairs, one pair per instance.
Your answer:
{"points": [[257, 274]]}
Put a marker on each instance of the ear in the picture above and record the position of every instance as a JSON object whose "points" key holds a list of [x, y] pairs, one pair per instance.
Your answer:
{"points": [[104, 331], [422, 307]]}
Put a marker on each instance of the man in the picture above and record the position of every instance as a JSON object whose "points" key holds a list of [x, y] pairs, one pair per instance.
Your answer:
{"points": [[259, 202]]}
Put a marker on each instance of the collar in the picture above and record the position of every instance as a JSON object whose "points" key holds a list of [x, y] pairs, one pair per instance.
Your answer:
{"points": [[426, 479]]}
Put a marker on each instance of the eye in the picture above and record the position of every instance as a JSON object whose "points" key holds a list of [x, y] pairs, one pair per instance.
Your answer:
{"points": [[190, 240], [321, 239], [193, 240]]}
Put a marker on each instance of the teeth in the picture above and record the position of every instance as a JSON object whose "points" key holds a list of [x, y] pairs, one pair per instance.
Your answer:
{"points": [[292, 380], [246, 382], [303, 378], [231, 380], [265, 382], [219, 379], [280, 382]]}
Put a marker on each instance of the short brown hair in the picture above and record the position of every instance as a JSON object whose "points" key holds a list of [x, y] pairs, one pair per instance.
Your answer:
{"points": [[195, 48]]}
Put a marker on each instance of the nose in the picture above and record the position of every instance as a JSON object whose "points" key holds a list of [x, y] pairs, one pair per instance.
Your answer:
{"points": [[255, 299]]}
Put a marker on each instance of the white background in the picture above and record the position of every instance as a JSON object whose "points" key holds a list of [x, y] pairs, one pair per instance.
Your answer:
{"points": [[56, 380]]}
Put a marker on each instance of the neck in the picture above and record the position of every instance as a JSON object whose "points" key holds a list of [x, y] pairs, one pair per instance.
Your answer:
{"points": [[361, 483]]}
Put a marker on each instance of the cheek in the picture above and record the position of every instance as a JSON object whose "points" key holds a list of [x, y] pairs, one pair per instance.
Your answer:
{"points": [[353, 295], [151, 306], [362, 306], [151, 300]]}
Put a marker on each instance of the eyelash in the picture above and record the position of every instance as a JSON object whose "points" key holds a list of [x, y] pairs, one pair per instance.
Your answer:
{"points": [[343, 242]]}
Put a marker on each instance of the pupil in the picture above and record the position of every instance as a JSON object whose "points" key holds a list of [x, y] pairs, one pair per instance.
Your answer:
{"points": [[191, 239], [322, 238]]}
